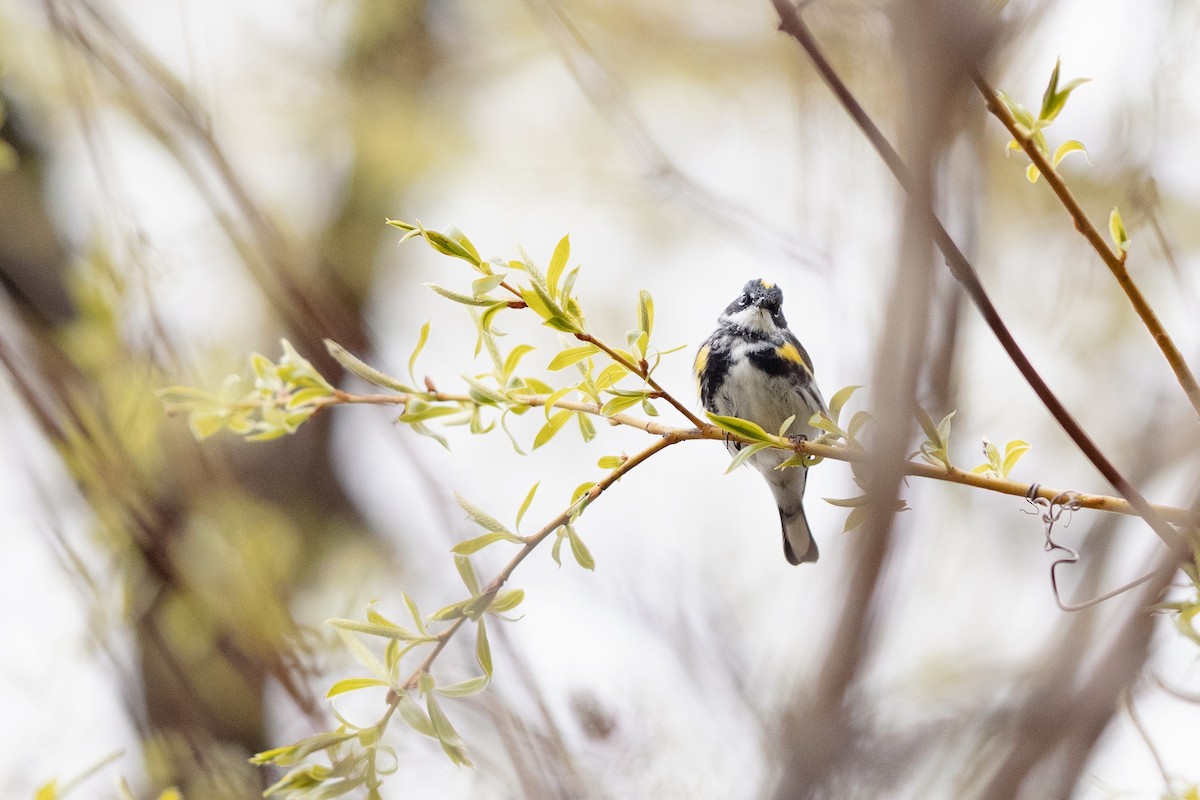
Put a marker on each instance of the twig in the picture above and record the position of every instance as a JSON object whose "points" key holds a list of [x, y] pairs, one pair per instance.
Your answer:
{"points": [[1114, 260], [1141, 729], [531, 543], [644, 373], [962, 270]]}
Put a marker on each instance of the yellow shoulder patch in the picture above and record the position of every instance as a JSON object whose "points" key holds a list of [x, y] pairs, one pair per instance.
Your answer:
{"points": [[789, 353], [767, 284], [701, 364]]}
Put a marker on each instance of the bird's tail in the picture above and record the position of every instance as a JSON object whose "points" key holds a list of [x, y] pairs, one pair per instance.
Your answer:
{"points": [[799, 547]]}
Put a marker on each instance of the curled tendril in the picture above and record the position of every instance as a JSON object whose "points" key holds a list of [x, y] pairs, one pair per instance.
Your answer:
{"points": [[1050, 511]]}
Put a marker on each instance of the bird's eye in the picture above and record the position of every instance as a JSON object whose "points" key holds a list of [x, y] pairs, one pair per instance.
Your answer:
{"points": [[744, 300]]}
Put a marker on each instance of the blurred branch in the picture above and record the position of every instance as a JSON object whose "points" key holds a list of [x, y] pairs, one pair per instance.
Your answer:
{"points": [[792, 24], [607, 94], [1065, 716], [1114, 260], [166, 108]]}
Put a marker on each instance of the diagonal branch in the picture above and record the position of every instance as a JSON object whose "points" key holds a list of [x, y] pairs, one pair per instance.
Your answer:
{"points": [[962, 270], [531, 543], [1114, 260]]}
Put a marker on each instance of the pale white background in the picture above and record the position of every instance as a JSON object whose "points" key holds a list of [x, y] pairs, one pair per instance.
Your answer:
{"points": [[678, 541]]}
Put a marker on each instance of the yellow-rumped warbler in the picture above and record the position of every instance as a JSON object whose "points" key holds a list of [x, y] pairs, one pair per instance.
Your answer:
{"points": [[753, 367]]}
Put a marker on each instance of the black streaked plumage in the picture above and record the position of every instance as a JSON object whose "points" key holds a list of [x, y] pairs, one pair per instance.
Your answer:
{"points": [[753, 367]]}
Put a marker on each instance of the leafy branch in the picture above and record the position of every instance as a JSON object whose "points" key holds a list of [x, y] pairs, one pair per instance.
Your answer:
{"points": [[1027, 134], [290, 391]]}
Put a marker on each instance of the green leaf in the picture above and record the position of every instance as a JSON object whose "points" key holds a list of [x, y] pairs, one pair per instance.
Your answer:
{"points": [[414, 715], [857, 422], [551, 428], [943, 428], [554, 398], [1013, 451], [482, 393], [488, 317], [571, 356], [455, 235], [423, 337], [415, 612], [745, 453], [364, 370], [480, 287], [1116, 229], [620, 403], [511, 438], [483, 650], [1066, 148], [525, 503], [514, 359], [465, 688], [479, 542], [645, 312], [560, 534], [419, 411], [1021, 114], [353, 685], [787, 423], [610, 375], [467, 573], [382, 630], [507, 601], [452, 743], [610, 462], [855, 518], [305, 397], [1049, 96], [447, 245], [586, 429], [1055, 99], [561, 323], [568, 284], [360, 651], [452, 611], [458, 297], [578, 549], [295, 753], [741, 427], [482, 518], [849, 502], [926, 422], [581, 490], [839, 399], [558, 262], [423, 430]]}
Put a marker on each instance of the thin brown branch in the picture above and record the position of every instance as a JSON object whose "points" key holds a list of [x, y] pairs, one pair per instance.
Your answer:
{"points": [[1113, 259], [962, 270], [1097, 502], [643, 372], [531, 543]]}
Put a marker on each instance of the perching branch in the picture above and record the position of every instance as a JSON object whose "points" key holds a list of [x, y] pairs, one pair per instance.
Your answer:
{"points": [[1005, 486]]}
